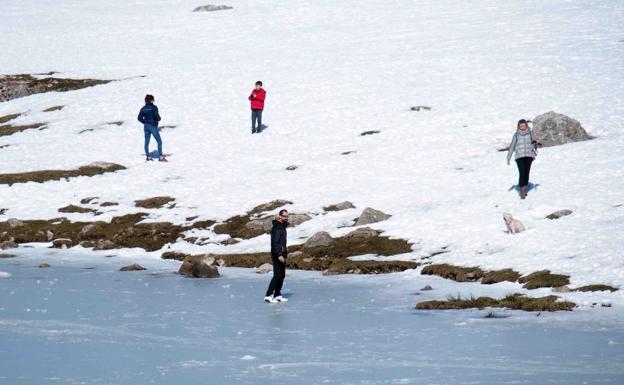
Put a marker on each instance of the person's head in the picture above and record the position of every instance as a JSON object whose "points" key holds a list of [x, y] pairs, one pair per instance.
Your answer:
{"points": [[522, 124], [149, 99], [258, 84], [283, 215]]}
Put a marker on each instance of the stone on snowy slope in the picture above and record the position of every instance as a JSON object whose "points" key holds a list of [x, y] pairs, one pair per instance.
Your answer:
{"points": [[370, 215], [558, 214], [339, 206], [14, 222], [211, 8], [62, 243], [265, 268], [322, 238], [8, 245], [553, 129], [199, 266], [133, 267]]}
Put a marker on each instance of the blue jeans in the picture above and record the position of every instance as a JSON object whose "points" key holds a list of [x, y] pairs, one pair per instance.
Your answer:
{"points": [[150, 130], [256, 115]]}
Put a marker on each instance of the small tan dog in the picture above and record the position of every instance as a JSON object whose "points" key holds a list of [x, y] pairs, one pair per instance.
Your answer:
{"points": [[514, 226]]}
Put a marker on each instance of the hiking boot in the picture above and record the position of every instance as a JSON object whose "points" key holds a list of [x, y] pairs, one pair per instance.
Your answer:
{"points": [[163, 159], [270, 299], [148, 159]]}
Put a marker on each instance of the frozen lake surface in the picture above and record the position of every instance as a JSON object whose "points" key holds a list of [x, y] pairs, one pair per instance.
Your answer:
{"points": [[83, 322]]}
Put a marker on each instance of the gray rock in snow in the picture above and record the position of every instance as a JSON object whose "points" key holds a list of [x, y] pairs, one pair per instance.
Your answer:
{"points": [[133, 267], [265, 268], [370, 215], [199, 266], [14, 222], [561, 289], [339, 206], [8, 245], [322, 238], [43, 265], [553, 129], [211, 8], [558, 214], [426, 288], [104, 244], [266, 223], [362, 234]]}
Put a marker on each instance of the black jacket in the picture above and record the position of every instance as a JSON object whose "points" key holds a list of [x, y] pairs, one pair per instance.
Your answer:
{"points": [[278, 239]]}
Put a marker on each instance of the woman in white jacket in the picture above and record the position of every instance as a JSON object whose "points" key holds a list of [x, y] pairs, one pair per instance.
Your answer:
{"points": [[524, 144]]}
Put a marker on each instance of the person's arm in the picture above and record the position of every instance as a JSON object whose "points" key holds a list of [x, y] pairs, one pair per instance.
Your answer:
{"points": [[251, 96], [275, 243], [512, 148], [141, 116], [261, 96], [156, 115]]}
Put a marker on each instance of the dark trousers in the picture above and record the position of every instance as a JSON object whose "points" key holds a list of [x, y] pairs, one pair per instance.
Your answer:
{"points": [[524, 169], [279, 273], [256, 116]]}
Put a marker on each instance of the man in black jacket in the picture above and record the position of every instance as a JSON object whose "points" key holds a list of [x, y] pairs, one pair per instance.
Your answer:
{"points": [[279, 253]]}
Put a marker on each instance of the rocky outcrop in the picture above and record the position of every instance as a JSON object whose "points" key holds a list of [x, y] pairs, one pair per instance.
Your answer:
{"points": [[7, 245], [558, 214], [339, 206], [14, 222], [17, 86], [62, 243], [265, 268], [370, 215], [153, 203], [133, 267], [199, 266], [553, 129], [212, 8], [321, 238], [270, 206]]}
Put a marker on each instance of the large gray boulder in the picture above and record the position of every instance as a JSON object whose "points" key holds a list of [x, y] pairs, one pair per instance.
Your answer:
{"points": [[362, 234], [14, 222], [370, 215], [265, 224], [62, 243], [553, 129], [322, 238]]}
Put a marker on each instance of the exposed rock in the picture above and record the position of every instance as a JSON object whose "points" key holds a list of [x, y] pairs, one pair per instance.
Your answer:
{"points": [[9, 129], [105, 244], [17, 86], [362, 234], [62, 243], [211, 8], [559, 214], [426, 288], [14, 222], [292, 167], [8, 245], [561, 289], [53, 108], [372, 132], [264, 225], [265, 268], [174, 255], [321, 238], [370, 215], [418, 108], [8, 118], [154, 202], [76, 209], [108, 204], [339, 206], [199, 266], [270, 206], [49, 235], [346, 266], [133, 267], [348, 152], [43, 265], [88, 200], [553, 129]]}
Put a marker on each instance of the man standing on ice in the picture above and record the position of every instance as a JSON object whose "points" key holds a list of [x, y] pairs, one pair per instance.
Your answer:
{"points": [[258, 94], [279, 253], [149, 117]]}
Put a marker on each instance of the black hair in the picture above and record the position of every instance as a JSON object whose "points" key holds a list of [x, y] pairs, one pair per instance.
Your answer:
{"points": [[149, 98], [259, 83], [522, 121], [282, 211]]}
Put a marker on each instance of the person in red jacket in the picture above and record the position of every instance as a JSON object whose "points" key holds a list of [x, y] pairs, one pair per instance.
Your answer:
{"points": [[258, 94]]}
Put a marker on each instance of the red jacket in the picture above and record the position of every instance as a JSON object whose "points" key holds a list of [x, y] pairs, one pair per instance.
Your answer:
{"points": [[257, 99]]}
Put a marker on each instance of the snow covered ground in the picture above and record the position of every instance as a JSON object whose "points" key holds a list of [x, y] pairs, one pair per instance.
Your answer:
{"points": [[83, 322], [333, 69]]}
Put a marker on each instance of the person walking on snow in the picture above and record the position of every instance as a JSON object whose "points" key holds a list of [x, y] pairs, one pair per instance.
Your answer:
{"points": [[524, 144], [149, 117], [279, 253], [258, 94]]}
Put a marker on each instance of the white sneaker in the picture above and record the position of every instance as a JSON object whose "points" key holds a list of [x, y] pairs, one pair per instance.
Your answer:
{"points": [[270, 299], [279, 298]]}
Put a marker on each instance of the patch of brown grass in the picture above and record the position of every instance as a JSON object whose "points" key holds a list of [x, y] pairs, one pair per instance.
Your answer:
{"points": [[544, 278], [456, 273], [48, 175], [154, 202], [496, 276], [513, 301]]}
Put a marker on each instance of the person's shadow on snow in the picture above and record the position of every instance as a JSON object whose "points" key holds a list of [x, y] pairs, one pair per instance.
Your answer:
{"points": [[262, 128]]}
